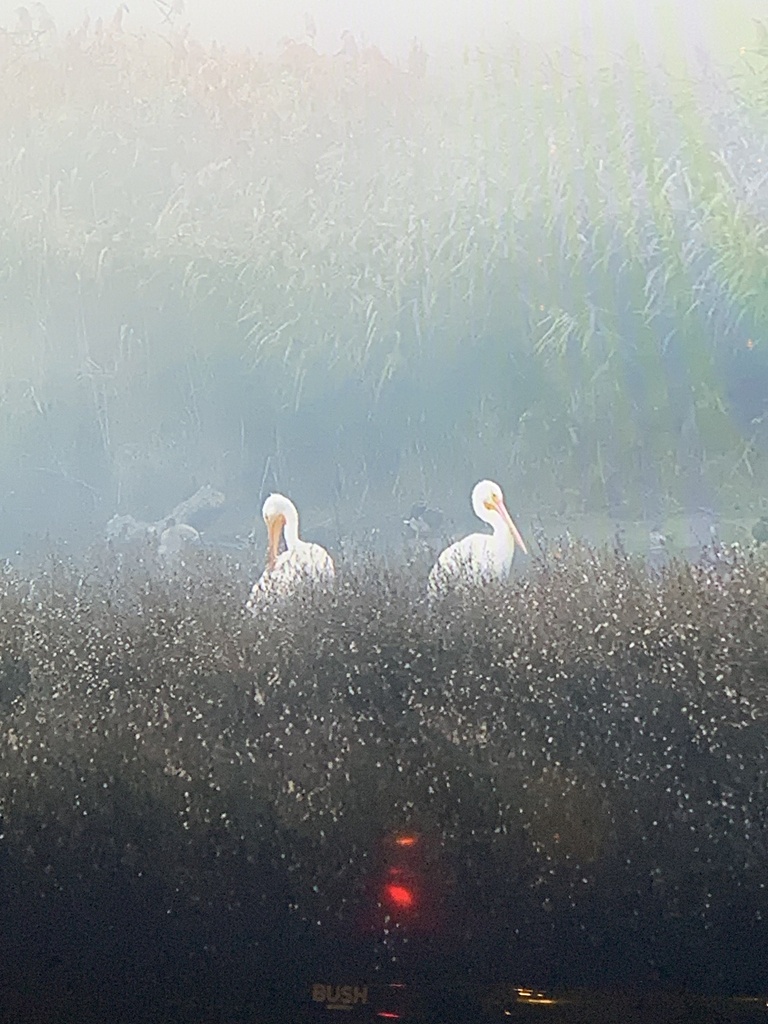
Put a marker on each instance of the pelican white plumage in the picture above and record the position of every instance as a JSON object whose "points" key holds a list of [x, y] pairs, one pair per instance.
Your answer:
{"points": [[480, 557], [301, 563]]}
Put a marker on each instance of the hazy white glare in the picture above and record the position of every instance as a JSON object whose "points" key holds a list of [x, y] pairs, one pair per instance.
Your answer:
{"points": [[446, 27]]}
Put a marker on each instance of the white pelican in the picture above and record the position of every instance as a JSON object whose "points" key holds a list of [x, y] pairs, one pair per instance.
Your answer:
{"points": [[299, 564], [480, 557]]}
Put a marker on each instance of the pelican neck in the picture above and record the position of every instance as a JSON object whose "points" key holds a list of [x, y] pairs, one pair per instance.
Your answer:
{"points": [[291, 528], [496, 523]]}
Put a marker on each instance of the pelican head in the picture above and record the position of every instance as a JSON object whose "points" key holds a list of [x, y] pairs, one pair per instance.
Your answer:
{"points": [[279, 513], [488, 505]]}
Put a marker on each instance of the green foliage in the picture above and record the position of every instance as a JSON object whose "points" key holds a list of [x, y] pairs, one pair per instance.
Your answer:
{"points": [[537, 265]]}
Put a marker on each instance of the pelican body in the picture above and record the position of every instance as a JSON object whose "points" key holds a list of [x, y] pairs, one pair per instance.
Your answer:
{"points": [[480, 557], [300, 564]]}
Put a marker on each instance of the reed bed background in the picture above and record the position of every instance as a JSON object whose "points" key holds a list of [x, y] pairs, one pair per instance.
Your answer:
{"points": [[366, 284]]}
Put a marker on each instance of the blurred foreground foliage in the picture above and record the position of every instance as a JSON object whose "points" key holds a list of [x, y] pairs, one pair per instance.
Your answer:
{"points": [[355, 280], [191, 798]]}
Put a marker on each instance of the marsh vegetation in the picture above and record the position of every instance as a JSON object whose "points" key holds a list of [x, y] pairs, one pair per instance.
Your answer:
{"points": [[364, 285], [367, 286], [192, 798]]}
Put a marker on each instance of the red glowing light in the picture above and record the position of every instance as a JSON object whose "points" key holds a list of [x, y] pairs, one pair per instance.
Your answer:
{"points": [[400, 895], [388, 1015], [406, 841]]}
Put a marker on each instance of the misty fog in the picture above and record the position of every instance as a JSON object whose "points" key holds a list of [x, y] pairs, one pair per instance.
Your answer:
{"points": [[446, 28], [369, 254], [366, 256]]}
